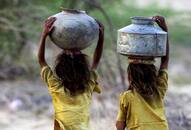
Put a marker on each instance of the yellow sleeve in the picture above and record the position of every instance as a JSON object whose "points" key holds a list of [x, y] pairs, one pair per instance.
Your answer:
{"points": [[96, 86], [46, 73], [162, 82], [49, 78], [123, 107]]}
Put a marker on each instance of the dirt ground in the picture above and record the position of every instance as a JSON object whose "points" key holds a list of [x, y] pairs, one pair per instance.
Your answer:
{"points": [[26, 105]]}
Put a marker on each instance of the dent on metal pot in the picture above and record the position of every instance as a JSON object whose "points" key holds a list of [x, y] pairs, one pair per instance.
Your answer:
{"points": [[74, 29], [142, 38]]}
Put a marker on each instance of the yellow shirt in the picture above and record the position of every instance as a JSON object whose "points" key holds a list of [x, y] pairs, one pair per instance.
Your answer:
{"points": [[140, 114], [71, 112]]}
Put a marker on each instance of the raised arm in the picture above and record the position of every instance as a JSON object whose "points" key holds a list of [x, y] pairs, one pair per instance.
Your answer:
{"points": [[99, 47], [165, 59], [47, 29]]}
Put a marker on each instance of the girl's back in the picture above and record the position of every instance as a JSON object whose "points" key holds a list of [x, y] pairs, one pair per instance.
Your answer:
{"points": [[71, 111], [141, 113]]}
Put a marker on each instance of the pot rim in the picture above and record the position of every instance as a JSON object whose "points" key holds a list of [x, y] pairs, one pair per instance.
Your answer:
{"points": [[73, 11], [141, 18]]}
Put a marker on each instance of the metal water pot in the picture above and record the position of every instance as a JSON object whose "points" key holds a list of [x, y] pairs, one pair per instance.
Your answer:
{"points": [[142, 38], [74, 30]]}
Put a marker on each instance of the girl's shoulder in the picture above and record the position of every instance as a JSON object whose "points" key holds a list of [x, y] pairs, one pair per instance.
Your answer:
{"points": [[94, 74], [126, 98], [127, 95], [93, 85]]}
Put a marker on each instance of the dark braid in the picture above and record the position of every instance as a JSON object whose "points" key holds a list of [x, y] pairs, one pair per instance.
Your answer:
{"points": [[143, 78], [74, 72]]}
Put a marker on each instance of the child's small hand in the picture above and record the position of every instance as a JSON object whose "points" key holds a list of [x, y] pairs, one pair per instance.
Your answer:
{"points": [[160, 20], [48, 26]]}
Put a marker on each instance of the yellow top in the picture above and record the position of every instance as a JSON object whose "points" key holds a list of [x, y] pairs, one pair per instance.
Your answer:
{"points": [[71, 112], [140, 114]]}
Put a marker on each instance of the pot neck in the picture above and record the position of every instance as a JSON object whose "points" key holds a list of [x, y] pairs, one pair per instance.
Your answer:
{"points": [[74, 11], [142, 20]]}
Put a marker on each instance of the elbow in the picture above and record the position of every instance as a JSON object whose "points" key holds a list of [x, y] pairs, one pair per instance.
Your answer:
{"points": [[41, 61]]}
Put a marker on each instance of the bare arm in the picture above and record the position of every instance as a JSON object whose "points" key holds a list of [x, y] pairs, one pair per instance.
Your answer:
{"points": [[99, 47], [47, 29], [120, 125], [41, 52], [165, 59]]}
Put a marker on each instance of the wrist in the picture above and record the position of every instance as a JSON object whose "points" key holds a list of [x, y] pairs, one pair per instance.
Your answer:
{"points": [[44, 35], [166, 29]]}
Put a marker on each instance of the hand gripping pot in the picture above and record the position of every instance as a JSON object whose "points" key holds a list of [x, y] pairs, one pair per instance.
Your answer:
{"points": [[74, 30], [142, 38]]}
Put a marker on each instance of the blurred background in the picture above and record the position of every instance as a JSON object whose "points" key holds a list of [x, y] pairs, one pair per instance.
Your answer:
{"points": [[24, 100]]}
